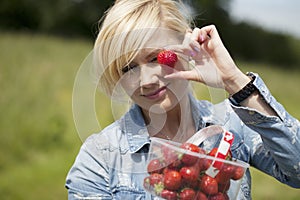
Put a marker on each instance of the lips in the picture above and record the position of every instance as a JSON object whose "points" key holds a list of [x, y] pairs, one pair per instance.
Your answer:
{"points": [[156, 94]]}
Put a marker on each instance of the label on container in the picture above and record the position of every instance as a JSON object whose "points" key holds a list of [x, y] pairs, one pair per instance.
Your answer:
{"points": [[221, 153]]}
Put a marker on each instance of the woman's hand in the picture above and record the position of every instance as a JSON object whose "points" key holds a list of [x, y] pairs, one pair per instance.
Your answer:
{"points": [[211, 62]]}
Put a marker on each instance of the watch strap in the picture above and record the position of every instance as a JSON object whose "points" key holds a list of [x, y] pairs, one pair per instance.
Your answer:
{"points": [[244, 93]]}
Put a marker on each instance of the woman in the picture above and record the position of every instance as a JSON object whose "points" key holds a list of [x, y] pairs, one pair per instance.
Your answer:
{"points": [[111, 164]]}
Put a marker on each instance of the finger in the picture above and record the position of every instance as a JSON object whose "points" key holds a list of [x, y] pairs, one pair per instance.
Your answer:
{"points": [[209, 35], [176, 48], [190, 45], [186, 44], [191, 42], [187, 75], [195, 39], [181, 49], [209, 31], [203, 36]]}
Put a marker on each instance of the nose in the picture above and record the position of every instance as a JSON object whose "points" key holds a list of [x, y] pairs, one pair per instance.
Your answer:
{"points": [[149, 75]]}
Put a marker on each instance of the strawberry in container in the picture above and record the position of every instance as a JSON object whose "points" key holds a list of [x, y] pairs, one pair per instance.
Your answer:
{"points": [[186, 171]]}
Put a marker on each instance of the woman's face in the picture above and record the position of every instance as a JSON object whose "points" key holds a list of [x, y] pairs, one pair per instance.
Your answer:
{"points": [[143, 79]]}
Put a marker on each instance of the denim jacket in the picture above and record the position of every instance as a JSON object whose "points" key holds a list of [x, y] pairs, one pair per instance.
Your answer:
{"points": [[111, 164]]}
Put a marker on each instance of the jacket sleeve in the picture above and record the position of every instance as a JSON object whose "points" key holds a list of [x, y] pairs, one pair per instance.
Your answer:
{"points": [[275, 150], [88, 177]]}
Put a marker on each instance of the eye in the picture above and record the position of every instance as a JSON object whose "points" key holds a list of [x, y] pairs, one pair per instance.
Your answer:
{"points": [[154, 59], [128, 68]]}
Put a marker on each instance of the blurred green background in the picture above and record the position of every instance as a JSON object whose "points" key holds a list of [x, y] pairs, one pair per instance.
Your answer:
{"points": [[42, 47]]}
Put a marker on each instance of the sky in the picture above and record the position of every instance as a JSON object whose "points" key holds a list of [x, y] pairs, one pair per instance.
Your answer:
{"points": [[275, 15]]}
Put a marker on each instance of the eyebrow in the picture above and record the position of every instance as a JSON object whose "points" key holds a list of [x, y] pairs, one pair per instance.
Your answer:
{"points": [[128, 67]]}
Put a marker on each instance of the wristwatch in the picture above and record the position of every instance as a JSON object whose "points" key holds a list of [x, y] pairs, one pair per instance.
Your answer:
{"points": [[244, 93]]}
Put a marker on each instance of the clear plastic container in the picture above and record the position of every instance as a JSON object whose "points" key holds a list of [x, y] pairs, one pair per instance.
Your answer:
{"points": [[183, 171]]}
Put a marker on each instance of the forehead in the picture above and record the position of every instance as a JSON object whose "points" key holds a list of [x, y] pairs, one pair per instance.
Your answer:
{"points": [[139, 44], [162, 38]]}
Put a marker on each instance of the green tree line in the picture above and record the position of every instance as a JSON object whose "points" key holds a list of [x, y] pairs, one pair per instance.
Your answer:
{"points": [[79, 18]]}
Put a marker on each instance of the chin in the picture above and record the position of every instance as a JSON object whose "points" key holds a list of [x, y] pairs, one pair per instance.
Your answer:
{"points": [[168, 105]]}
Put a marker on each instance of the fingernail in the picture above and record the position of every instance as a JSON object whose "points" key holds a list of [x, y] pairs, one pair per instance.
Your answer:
{"points": [[192, 53], [166, 47], [196, 49], [168, 76], [171, 74], [201, 38]]}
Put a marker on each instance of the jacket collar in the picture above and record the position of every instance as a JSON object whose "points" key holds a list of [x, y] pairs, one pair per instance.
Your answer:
{"points": [[137, 134]]}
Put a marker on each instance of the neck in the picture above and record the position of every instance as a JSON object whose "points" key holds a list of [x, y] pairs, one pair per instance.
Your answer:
{"points": [[176, 124]]}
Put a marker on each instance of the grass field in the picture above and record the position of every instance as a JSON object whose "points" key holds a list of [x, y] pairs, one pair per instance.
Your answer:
{"points": [[38, 138]]}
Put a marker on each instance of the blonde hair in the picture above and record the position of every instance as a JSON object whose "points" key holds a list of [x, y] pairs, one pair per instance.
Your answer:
{"points": [[126, 27]]}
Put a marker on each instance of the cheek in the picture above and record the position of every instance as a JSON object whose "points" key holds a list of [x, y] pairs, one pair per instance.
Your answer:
{"points": [[181, 65], [130, 90], [179, 88], [129, 84], [167, 70]]}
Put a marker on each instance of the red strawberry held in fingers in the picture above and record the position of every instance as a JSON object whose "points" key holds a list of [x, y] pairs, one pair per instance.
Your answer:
{"points": [[167, 57]]}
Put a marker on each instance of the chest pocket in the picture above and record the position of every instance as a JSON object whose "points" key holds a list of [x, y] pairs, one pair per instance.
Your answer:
{"points": [[126, 193], [126, 182], [129, 187]]}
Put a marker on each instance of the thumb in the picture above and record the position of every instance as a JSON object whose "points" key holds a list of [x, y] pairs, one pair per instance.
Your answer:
{"points": [[187, 75]]}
